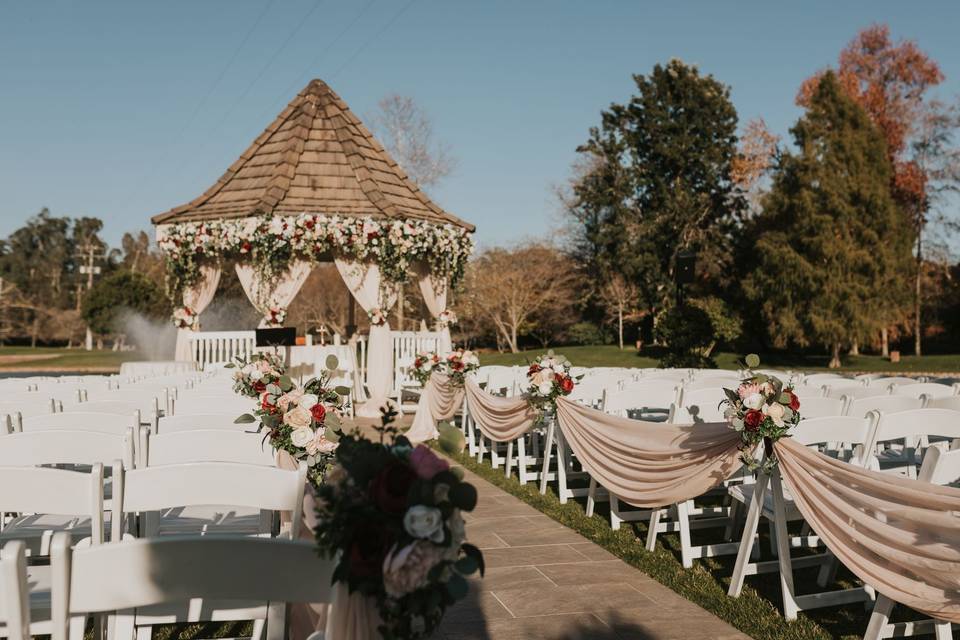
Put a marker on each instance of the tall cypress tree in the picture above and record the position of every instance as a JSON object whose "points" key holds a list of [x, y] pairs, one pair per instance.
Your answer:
{"points": [[830, 244]]}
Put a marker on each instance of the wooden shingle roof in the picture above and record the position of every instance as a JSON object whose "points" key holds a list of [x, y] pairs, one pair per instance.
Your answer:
{"points": [[316, 157]]}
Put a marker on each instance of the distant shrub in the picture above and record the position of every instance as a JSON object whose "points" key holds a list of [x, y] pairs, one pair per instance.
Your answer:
{"points": [[687, 334], [585, 333]]}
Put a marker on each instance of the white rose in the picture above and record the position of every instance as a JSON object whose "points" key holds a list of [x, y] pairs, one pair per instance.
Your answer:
{"points": [[256, 374], [299, 418], [308, 400], [753, 401], [542, 377], [301, 437], [421, 521], [775, 411], [545, 388]]}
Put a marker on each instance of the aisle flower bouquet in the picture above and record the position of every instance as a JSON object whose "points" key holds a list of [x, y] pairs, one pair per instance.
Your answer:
{"points": [[303, 421], [275, 315], [424, 364], [761, 409], [459, 363], [447, 318], [377, 317], [549, 378], [391, 516], [254, 373], [186, 318]]}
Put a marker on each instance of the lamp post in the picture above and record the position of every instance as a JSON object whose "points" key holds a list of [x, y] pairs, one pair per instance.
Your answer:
{"points": [[684, 272]]}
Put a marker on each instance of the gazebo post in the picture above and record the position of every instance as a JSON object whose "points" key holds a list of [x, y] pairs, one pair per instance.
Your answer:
{"points": [[351, 316]]}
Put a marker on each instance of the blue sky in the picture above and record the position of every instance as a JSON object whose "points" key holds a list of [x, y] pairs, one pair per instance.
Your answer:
{"points": [[123, 109]]}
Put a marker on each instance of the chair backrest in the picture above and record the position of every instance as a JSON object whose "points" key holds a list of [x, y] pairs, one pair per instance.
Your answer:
{"points": [[622, 403], [667, 374], [845, 429], [146, 401], [886, 381], [591, 389], [207, 484], [55, 446], [820, 379], [940, 466], [140, 573], [949, 402], [205, 421], [818, 407], [118, 407], [28, 404], [43, 490], [856, 391], [82, 421], [917, 422], [860, 407], [206, 445], [506, 378], [929, 389], [700, 405], [653, 393], [196, 403], [14, 592]]}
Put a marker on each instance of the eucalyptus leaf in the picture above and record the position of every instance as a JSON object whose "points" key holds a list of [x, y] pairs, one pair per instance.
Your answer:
{"points": [[332, 362], [331, 435], [332, 420], [342, 391], [752, 360], [245, 419]]}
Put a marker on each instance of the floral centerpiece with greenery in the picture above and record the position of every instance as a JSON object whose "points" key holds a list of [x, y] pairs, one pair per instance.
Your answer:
{"points": [[459, 363], [256, 371], [424, 364], [762, 409], [549, 378], [391, 515]]}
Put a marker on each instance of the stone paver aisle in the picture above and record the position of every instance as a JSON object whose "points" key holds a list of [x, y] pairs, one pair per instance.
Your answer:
{"points": [[545, 581]]}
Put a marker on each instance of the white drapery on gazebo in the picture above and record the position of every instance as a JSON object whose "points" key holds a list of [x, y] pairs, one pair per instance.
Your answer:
{"points": [[314, 187]]}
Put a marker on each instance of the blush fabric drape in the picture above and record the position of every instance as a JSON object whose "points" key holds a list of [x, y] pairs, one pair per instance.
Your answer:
{"points": [[281, 291], [499, 419], [649, 464], [198, 297], [434, 292], [364, 281], [439, 400], [898, 535]]}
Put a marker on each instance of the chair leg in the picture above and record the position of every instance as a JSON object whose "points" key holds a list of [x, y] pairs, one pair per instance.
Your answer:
{"points": [[942, 631], [747, 539], [547, 449], [733, 522], [615, 519], [561, 468], [508, 463], [591, 497], [522, 459], [652, 532], [879, 618], [683, 520], [790, 608]]}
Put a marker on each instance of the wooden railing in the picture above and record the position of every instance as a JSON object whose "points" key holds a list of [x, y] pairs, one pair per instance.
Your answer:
{"points": [[216, 347]]}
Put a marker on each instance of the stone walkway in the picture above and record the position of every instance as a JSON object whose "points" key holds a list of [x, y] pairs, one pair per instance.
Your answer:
{"points": [[547, 582]]}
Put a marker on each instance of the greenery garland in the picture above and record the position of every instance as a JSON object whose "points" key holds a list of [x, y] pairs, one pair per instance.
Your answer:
{"points": [[271, 243]]}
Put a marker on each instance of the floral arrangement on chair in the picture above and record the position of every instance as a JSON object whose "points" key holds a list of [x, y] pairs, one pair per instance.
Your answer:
{"points": [[377, 317], [459, 363], [391, 515], [423, 366], [549, 378], [303, 421], [761, 409], [255, 372], [275, 315], [186, 318], [447, 317]]}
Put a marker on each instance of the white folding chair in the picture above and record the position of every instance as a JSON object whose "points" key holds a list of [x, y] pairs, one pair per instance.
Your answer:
{"points": [[205, 445], [929, 389], [207, 497], [82, 421], [702, 404], [942, 468], [647, 399], [147, 402], [855, 392], [914, 428], [820, 407], [189, 403], [950, 402], [163, 581], [817, 380], [886, 381], [859, 407], [52, 500], [204, 421], [15, 614]]}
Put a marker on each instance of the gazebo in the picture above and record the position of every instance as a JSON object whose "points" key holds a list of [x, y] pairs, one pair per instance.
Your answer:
{"points": [[314, 187]]}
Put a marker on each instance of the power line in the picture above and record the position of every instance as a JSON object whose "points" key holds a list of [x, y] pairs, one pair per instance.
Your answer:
{"points": [[372, 38]]}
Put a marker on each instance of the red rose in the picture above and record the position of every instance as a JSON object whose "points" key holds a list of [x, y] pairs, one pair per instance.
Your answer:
{"points": [[370, 545], [390, 487], [534, 368], [319, 412], [265, 404], [794, 401], [308, 224], [566, 385], [246, 246], [259, 386], [752, 420]]}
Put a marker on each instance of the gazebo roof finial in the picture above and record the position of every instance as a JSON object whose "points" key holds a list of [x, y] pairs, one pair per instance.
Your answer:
{"points": [[316, 156]]}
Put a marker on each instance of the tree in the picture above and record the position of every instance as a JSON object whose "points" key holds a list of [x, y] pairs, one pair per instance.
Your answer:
{"points": [[889, 80], [407, 133], [507, 288], [619, 298], [755, 159], [830, 242], [657, 181], [122, 291], [140, 255]]}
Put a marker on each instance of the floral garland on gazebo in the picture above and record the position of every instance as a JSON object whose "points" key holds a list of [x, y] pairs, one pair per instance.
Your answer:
{"points": [[273, 242]]}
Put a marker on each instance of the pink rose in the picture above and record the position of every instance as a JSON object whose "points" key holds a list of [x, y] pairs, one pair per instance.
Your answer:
{"points": [[746, 390], [319, 444], [425, 462], [405, 570]]}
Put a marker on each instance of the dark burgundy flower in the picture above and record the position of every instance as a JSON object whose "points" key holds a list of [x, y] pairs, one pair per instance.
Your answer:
{"points": [[794, 401], [752, 420], [389, 488], [368, 549]]}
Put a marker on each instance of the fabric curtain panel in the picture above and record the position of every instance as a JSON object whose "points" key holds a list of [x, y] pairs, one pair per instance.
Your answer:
{"points": [[499, 419], [900, 536], [364, 281], [434, 292], [198, 297], [439, 400], [649, 464], [282, 291]]}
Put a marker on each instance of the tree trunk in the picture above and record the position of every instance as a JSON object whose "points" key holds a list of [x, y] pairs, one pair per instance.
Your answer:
{"points": [[835, 358], [33, 333], [884, 343], [855, 348], [400, 306], [513, 340], [620, 325], [916, 296]]}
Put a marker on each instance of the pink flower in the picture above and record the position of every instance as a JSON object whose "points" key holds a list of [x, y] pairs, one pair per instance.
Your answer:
{"points": [[425, 463], [320, 444], [405, 570], [747, 389]]}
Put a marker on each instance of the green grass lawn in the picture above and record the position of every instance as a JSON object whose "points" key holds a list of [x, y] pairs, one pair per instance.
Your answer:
{"points": [[62, 359], [611, 356]]}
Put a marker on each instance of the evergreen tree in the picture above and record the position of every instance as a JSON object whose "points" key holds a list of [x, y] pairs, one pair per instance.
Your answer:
{"points": [[656, 182], [831, 246]]}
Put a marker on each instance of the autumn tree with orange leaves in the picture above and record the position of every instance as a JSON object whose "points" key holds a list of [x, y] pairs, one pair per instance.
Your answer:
{"points": [[890, 81]]}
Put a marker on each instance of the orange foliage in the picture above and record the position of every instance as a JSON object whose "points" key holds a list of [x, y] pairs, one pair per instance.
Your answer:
{"points": [[758, 147]]}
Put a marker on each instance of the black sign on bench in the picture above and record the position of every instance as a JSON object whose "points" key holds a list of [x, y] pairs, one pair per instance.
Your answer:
{"points": [[280, 337]]}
